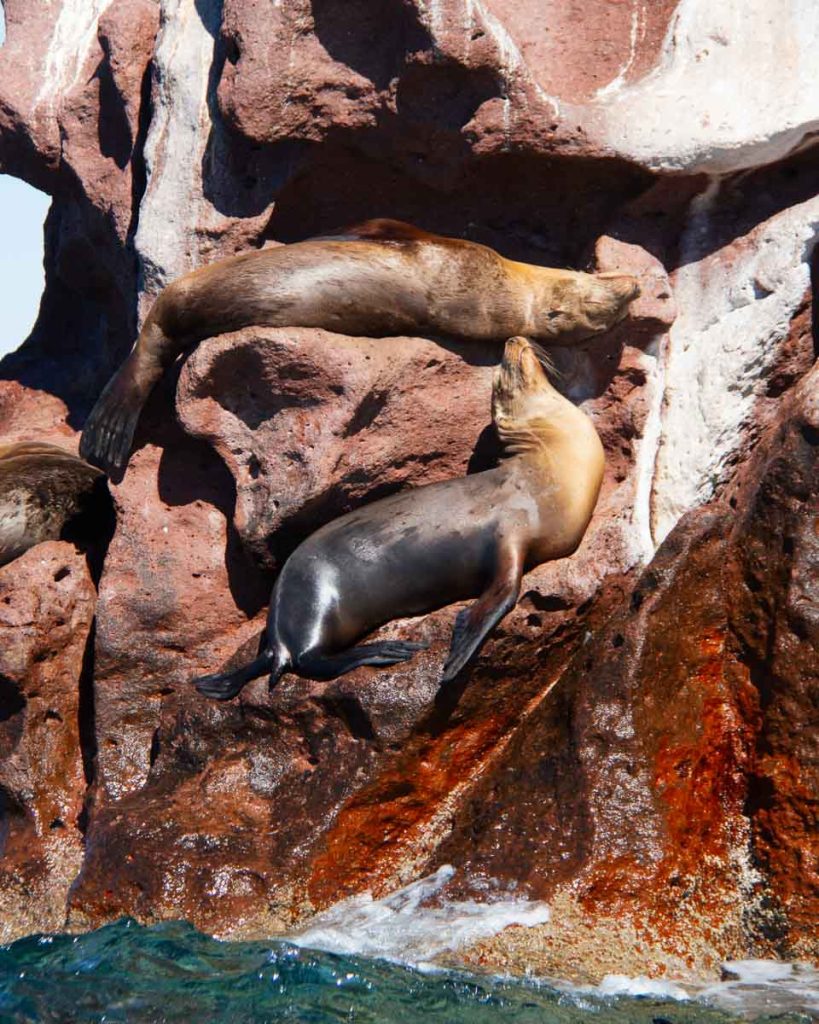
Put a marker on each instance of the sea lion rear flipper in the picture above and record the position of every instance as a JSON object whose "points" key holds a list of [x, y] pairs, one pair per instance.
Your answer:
{"points": [[225, 685], [474, 624], [329, 666]]}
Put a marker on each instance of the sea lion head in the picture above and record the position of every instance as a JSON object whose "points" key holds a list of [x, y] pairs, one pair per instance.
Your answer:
{"points": [[585, 305], [521, 391]]}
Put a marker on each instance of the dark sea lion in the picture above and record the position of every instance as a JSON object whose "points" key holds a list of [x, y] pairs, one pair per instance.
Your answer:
{"points": [[379, 279], [45, 493], [424, 548]]}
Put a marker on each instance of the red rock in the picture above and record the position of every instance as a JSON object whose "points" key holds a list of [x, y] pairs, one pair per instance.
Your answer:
{"points": [[47, 604], [329, 422]]}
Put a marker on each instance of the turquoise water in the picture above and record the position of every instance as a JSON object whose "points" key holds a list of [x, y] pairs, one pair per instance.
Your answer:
{"points": [[171, 972]]}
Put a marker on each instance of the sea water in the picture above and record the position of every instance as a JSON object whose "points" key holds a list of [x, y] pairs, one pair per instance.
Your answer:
{"points": [[364, 960], [171, 973]]}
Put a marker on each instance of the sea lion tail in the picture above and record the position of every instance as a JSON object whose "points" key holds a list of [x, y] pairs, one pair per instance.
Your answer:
{"points": [[225, 685], [109, 431]]}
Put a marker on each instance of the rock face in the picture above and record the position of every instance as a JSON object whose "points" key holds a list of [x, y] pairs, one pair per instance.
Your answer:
{"points": [[47, 602], [636, 743]]}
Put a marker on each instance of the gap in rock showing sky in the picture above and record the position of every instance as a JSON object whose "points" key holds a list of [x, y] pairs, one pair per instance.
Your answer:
{"points": [[22, 212]]}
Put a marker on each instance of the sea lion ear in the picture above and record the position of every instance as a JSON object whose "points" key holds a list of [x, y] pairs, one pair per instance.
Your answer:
{"points": [[383, 229]]}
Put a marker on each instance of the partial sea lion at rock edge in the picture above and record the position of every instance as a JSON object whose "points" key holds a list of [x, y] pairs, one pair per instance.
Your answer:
{"points": [[46, 493], [424, 548], [381, 278]]}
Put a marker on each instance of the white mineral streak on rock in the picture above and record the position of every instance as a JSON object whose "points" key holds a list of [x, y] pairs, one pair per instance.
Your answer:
{"points": [[509, 56], [637, 34], [174, 147], [74, 31], [640, 539], [736, 305], [735, 87]]}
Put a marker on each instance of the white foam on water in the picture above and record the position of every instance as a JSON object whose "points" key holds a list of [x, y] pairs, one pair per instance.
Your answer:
{"points": [[622, 985], [751, 989], [756, 987], [402, 928]]}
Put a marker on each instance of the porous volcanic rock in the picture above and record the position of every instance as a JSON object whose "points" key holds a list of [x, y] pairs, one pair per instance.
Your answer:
{"points": [[47, 601], [636, 742]]}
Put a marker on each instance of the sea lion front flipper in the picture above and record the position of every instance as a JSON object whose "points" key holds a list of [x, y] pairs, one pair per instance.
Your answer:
{"points": [[316, 665], [109, 431], [474, 624]]}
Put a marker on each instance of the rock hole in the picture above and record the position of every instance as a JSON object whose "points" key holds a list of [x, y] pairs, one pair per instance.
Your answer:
{"points": [[618, 640], [61, 574], [787, 545], [155, 748], [533, 620], [810, 434], [11, 699], [549, 602], [232, 51], [254, 467], [57, 823], [53, 716]]}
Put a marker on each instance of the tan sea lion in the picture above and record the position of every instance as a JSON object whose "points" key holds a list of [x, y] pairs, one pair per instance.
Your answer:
{"points": [[423, 548], [381, 278], [45, 493]]}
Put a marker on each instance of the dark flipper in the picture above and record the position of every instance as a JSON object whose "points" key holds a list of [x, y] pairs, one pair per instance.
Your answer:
{"points": [[328, 666], [474, 624], [225, 685], [109, 431]]}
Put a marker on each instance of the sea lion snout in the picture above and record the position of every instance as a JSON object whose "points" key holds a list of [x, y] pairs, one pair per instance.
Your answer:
{"points": [[519, 377], [619, 291]]}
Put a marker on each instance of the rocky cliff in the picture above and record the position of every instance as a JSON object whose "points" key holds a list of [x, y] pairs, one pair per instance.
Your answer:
{"points": [[637, 745]]}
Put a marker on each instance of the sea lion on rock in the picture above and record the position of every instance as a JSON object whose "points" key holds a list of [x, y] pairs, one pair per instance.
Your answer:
{"points": [[381, 278], [424, 548], [45, 493]]}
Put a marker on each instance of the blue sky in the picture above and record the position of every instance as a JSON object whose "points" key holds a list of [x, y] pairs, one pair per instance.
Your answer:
{"points": [[22, 212]]}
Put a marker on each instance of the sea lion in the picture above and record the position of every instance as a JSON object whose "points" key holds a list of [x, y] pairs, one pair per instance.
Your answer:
{"points": [[45, 494], [423, 548], [378, 279]]}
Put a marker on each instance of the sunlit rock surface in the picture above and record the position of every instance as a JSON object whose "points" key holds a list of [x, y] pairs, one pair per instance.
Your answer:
{"points": [[636, 743]]}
